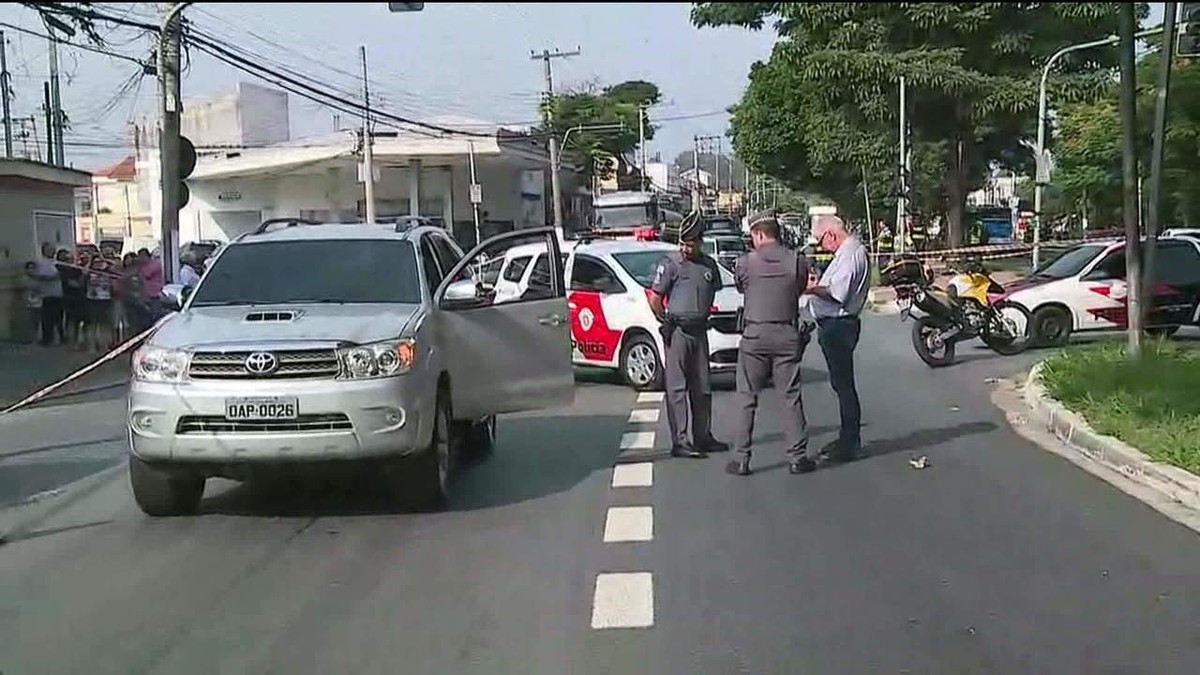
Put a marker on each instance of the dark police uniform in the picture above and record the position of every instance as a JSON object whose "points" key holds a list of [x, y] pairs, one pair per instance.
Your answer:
{"points": [[688, 286], [772, 278]]}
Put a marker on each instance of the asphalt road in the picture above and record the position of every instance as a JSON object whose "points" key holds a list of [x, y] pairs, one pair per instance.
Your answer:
{"points": [[997, 558]]}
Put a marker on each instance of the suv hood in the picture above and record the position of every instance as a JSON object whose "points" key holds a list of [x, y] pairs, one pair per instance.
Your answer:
{"points": [[254, 324]]}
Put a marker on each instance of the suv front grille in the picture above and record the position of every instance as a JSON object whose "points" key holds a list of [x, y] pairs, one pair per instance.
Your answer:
{"points": [[215, 424], [311, 363]]}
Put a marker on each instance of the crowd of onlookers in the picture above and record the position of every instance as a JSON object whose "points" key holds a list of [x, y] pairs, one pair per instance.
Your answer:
{"points": [[90, 302]]}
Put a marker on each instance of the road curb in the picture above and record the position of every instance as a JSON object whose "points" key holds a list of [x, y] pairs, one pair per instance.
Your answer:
{"points": [[1123, 465], [30, 514]]}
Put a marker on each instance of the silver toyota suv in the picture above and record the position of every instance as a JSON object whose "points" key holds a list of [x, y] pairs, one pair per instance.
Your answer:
{"points": [[309, 345]]}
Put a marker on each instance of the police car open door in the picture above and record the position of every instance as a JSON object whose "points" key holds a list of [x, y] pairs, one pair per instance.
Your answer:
{"points": [[506, 352]]}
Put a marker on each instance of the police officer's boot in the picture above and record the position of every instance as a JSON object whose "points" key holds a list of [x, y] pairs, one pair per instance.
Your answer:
{"points": [[740, 466], [687, 451], [714, 446]]}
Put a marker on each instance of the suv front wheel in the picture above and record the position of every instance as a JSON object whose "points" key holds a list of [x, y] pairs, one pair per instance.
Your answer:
{"points": [[163, 493], [433, 467]]}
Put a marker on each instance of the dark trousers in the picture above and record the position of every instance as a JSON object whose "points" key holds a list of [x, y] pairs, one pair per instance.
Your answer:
{"points": [[689, 389], [766, 350], [52, 320], [838, 338]]}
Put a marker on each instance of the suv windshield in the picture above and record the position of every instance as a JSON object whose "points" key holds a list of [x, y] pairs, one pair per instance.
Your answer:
{"points": [[350, 271], [642, 264], [1069, 263]]}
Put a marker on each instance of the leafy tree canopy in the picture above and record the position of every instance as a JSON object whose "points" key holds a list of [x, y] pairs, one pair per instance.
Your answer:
{"points": [[1088, 146], [591, 106], [823, 110]]}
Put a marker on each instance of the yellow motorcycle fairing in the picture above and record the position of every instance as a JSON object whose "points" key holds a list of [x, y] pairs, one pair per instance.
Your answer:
{"points": [[978, 287]]}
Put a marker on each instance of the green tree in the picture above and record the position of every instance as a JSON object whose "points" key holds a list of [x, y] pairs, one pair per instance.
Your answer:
{"points": [[1087, 146], [591, 106], [824, 107]]}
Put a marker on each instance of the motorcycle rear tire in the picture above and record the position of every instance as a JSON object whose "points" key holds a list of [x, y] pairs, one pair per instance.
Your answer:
{"points": [[1009, 348], [922, 347]]}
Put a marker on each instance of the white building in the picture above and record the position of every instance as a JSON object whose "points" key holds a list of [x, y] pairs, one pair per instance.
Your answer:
{"points": [[664, 177], [417, 172]]}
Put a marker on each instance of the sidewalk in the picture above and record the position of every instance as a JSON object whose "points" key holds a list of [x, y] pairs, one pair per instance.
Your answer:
{"points": [[26, 368]]}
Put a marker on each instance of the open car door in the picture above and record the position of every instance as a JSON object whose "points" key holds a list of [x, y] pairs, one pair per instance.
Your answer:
{"points": [[506, 354]]}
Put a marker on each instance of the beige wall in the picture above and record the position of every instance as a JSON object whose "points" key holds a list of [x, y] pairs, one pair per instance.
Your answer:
{"points": [[117, 213], [20, 200]]}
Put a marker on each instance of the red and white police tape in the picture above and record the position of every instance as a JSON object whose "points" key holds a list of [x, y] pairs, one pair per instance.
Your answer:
{"points": [[124, 347]]}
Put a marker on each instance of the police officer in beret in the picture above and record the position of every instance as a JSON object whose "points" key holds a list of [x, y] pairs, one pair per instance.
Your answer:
{"points": [[682, 294], [772, 278]]}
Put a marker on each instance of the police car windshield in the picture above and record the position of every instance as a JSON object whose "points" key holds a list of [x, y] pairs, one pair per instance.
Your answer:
{"points": [[349, 271], [1069, 263], [641, 265]]}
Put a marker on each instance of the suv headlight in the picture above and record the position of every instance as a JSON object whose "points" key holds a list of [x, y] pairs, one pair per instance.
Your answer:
{"points": [[381, 359], [155, 364]]}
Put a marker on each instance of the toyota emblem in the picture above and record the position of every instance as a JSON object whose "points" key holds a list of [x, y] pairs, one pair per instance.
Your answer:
{"points": [[261, 363]]}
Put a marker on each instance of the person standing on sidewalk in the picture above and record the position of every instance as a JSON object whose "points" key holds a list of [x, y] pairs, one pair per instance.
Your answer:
{"points": [[838, 298], [772, 279], [681, 297], [31, 299], [46, 271]]}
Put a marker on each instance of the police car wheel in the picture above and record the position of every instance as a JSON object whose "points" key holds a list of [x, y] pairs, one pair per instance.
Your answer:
{"points": [[160, 492], [641, 367], [1051, 327]]}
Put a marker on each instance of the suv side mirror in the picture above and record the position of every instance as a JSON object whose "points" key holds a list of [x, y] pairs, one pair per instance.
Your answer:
{"points": [[464, 294], [175, 295]]}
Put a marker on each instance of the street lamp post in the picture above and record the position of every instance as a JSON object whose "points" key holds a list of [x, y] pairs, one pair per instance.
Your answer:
{"points": [[1042, 163]]}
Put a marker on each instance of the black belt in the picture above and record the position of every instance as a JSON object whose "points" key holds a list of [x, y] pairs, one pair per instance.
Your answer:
{"points": [[826, 319], [689, 323], [790, 322]]}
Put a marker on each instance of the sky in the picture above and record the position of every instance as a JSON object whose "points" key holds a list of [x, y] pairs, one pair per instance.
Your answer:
{"points": [[464, 60]]}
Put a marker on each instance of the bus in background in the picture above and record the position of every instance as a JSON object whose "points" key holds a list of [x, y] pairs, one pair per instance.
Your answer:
{"points": [[632, 213]]}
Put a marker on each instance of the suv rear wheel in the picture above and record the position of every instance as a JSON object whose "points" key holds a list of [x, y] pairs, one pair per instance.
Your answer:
{"points": [[162, 493]]}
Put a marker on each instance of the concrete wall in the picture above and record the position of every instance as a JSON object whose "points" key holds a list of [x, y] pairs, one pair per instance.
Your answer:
{"points": [[20, 203]]}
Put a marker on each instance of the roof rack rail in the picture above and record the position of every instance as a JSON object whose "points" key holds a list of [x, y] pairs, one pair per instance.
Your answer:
{"points": [[286, 222]]}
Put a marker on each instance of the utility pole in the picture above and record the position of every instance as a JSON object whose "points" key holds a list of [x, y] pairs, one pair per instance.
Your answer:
{"points": [[695, 173], [476, 191], [1167, 54], [48, 109], [901, 199], [168, 140], [1129, 178], [368, 165], [717, 174], [4, 90], [642, 144], [555, 184], [57, 156]]}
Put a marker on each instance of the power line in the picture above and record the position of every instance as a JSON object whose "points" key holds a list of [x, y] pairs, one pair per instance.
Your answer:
{"points": [[87, 48]]}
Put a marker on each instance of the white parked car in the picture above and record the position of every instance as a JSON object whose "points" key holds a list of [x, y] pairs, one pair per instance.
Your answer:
{"points": [[1084, 290], [612, 325]]}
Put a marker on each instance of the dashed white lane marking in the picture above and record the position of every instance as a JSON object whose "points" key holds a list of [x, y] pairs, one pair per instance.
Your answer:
{"points": [[633, 475], [643, 415], [650, 397], [629, 523], [638, 440], [623, 600]]}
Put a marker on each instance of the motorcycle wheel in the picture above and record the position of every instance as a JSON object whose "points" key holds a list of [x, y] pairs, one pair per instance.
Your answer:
{"points": [[1005, 345], [922, 330]]}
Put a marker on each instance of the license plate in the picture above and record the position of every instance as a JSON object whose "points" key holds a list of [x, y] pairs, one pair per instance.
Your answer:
{"points": [[264, 408]]}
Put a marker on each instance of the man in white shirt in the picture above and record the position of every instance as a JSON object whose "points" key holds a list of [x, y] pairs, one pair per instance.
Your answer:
{"points": [[836, 300]]}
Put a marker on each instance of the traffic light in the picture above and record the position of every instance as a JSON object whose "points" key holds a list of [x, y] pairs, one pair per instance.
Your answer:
{"points": [[1189, 37], [405, 6], [187, 164]]}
